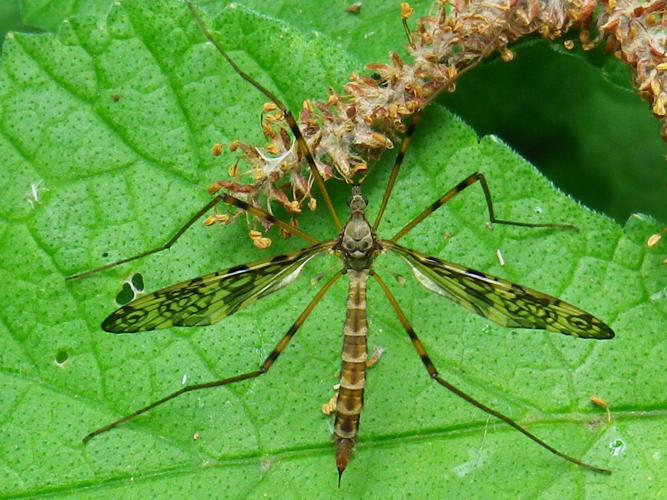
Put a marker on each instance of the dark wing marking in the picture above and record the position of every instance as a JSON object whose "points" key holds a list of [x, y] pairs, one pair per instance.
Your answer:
{"points": [[499, 300], [208, 299]]}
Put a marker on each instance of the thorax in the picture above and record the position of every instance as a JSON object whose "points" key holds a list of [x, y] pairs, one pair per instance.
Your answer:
{"points": [[357, 242]]}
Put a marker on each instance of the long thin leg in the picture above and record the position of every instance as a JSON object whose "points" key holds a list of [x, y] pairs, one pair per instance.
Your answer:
{"points": [[289, 118], [407, 140], [264, 368], [468, 181], [224, 198], [433, 373]]}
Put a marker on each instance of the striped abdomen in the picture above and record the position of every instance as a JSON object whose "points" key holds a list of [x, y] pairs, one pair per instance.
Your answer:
{"points": [[353, 368]]}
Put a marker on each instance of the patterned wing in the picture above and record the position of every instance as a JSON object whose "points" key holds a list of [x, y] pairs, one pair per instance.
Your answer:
{"points": [[500, 301], [208, 299]]}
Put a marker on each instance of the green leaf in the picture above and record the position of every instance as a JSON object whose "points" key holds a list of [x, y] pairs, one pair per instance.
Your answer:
{"points": [[49, 14], [114, 121]]}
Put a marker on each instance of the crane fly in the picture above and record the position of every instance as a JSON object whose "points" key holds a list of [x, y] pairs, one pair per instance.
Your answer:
{"points": [[208, 299]]}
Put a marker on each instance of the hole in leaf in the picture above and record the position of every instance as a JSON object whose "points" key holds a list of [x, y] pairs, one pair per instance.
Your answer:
{"points": [[617, 446], [132, 288], [61, 356], [137, 281], [126, 295]]}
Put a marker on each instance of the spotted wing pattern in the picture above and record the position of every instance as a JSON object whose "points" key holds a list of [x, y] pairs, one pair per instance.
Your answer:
{"points": [[500, 301], [208, 299]]}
